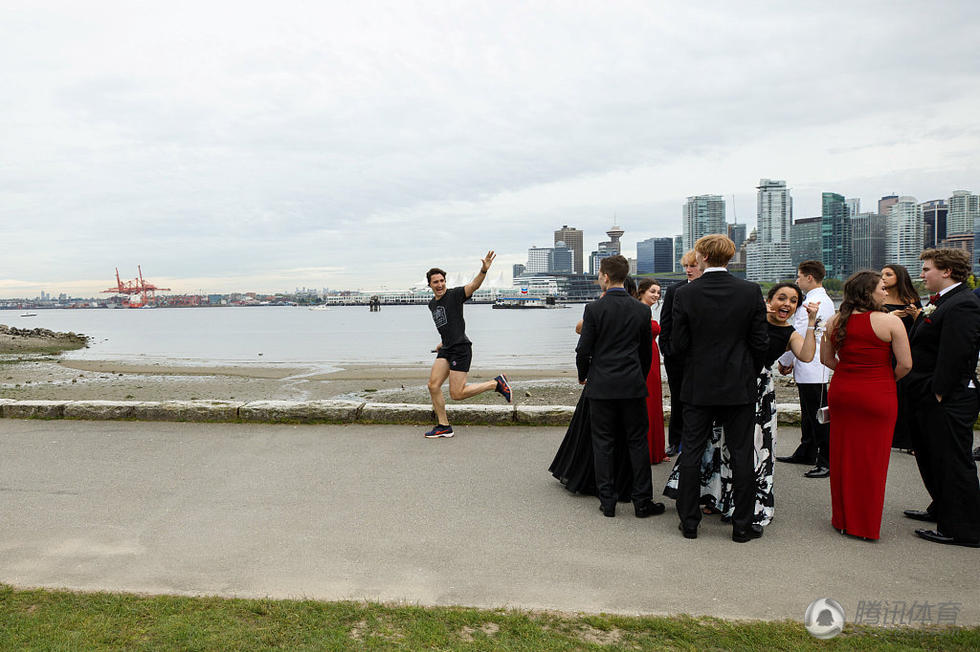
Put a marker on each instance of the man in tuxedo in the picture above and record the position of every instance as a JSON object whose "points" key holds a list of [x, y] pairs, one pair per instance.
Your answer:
{"points": [[673, 365], [943, 399], [720, 332], [811, 377], [613, 357]]}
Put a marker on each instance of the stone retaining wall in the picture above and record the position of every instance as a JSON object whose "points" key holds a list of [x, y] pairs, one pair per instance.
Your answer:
{"points": [[307, 412]]}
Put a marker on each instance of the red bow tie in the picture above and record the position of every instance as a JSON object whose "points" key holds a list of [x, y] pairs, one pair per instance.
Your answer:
{"points": [[933, 298]]}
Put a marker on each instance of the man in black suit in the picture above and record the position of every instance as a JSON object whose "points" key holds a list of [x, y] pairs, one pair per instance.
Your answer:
{"points": [[613, 357], [720, 332], [943, 399], [673, 365]]}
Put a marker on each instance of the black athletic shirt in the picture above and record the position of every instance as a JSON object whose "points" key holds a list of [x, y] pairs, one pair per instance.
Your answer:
{"points": [[447, 313]]}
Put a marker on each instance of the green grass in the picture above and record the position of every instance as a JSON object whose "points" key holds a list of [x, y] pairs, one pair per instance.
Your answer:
{"points": [[60, 620]]}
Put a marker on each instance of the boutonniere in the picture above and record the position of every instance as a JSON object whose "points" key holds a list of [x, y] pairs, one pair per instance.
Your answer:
{"points": [[928, 310]]}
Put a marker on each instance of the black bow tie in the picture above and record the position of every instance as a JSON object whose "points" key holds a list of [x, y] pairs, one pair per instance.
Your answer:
{"points": [[933, 298]]}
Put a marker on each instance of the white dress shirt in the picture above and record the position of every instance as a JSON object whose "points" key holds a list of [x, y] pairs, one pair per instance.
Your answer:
{"points": [[813, 372]]}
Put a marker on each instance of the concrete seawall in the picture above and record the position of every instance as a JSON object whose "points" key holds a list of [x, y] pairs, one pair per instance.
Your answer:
{"points": [[335, 411]]}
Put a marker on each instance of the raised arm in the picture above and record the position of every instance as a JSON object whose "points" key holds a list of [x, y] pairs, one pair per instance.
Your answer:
{"points": [[805, 347], [477, 281]]}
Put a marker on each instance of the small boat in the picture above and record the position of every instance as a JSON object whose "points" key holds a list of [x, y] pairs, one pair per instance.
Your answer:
{"points": [[320, 307], [29, 314]]}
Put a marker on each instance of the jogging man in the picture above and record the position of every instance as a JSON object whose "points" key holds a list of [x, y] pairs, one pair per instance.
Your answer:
{"points": [[455, 352]]}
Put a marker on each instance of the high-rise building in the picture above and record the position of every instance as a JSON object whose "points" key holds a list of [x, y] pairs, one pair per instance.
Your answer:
{"points": [[806, 241], [572, 238], [934, 215], [540, 259], [885, 204], [769, 258], [964, 209], [655, 256], [518, 269], [868, 241], [835, 236], [774, 212], [736, 232], [595, 258], [678, 252], [768, 262], [853, 206], [561, 258], [703, 214], [903, 242]]}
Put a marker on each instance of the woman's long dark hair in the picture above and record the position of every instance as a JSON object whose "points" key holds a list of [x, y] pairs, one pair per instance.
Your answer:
{"points": [[629, 284], [859, 294], [903, 284]]}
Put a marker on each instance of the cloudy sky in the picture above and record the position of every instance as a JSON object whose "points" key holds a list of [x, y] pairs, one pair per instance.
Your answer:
{"points": [[231, 146]]}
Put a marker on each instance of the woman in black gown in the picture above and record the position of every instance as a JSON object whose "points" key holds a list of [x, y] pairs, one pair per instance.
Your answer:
{"points": [[574, 463], [902, 301]]}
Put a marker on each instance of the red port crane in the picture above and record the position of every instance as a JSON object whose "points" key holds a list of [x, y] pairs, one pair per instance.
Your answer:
{"points": [[144, 291]]}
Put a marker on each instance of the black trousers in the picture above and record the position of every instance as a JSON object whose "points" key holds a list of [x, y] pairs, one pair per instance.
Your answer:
{"points": [[815, 439], [738, 423], [942, 436], [624, 420], [675, 378]]}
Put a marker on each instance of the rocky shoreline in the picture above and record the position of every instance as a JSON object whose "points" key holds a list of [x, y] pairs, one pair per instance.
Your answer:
{"points": [[39, 340]]}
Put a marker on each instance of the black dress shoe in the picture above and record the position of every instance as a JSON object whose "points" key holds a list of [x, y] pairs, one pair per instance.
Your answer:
{"points": [[937, 537], [648, 508], [817, 472], [688, 533], [793, 459], [920, 515], [758, 530], [608, 511], [671, 451], [744, 536]]}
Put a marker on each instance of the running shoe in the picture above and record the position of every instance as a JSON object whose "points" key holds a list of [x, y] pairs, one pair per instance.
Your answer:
{"points": [[503, 387], [439, 431]]}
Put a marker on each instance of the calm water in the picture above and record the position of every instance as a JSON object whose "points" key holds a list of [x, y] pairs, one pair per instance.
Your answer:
{"points": [[291, 335]]}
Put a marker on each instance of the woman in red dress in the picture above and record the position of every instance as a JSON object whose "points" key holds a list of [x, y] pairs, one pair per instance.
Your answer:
{"points": [[648, 291], [858, 345]]}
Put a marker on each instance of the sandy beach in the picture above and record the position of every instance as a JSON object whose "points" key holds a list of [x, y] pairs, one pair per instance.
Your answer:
{"points": [[24, 377], [46, 377]]}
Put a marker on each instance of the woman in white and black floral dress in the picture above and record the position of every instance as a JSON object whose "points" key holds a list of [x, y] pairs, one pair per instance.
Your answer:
{"points": [[716, 476]]}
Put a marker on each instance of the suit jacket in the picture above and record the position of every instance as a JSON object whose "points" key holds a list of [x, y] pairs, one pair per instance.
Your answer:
{"points": [[667, 320], [945, 345], [615, 348], [720, 332]]}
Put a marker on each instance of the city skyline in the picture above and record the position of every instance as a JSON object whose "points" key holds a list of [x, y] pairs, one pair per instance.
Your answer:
{"points": [[227, 149]]}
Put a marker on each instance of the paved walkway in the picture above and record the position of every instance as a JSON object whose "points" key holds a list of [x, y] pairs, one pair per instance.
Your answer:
{"points": [[379, 513]]}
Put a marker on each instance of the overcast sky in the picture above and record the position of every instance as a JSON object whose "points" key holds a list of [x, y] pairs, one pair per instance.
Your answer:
{"points": [[230, 146]]}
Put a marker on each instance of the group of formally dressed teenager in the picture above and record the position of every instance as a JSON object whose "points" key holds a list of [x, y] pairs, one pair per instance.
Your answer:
{"points": [[881, 372]]}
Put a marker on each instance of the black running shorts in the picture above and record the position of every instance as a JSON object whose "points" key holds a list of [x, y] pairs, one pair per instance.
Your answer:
{"points": [[459, 356]]}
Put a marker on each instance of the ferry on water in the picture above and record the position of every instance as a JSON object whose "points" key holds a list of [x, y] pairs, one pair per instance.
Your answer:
{"points": [[527, 303]]}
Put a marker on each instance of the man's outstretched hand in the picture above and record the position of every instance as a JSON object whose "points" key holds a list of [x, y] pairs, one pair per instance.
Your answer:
{"points": [[487, 261]]}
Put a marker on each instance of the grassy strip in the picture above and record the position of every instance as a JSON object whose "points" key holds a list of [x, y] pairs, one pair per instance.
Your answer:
{"points": [[46, 620]]}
